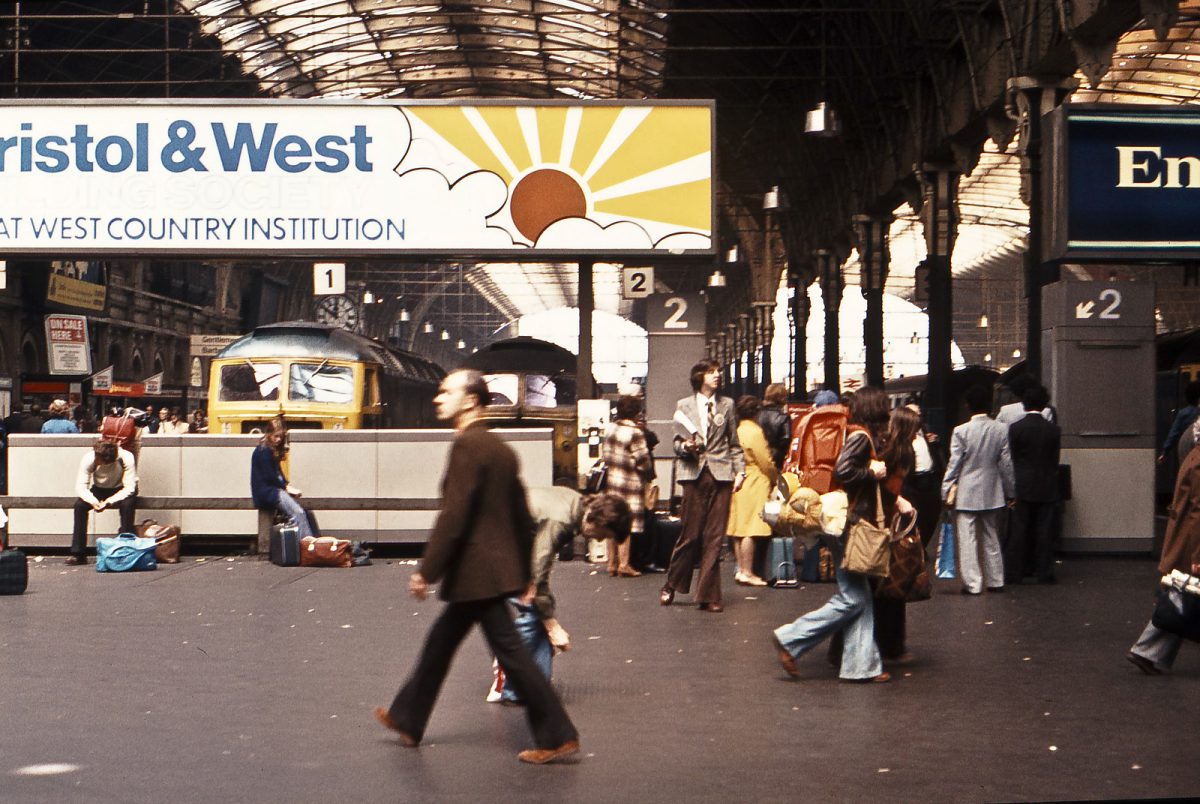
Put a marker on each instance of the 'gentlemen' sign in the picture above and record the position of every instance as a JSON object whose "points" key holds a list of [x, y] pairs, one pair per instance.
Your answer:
{"points": [[332, 178], [1122, 182]]}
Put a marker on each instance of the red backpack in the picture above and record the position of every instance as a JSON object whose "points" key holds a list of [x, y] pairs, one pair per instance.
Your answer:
{"points": [[121, 430], [817, 440]]}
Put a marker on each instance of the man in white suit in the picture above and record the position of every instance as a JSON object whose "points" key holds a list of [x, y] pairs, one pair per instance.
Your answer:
{"points": [[709, 465], [981, 466]]}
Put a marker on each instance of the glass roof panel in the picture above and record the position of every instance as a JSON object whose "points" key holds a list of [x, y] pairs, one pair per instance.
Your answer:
{"points": [[581, 48]]}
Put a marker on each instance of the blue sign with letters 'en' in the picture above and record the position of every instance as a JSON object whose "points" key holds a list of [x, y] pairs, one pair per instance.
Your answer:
{"points": [[1123, 182]]}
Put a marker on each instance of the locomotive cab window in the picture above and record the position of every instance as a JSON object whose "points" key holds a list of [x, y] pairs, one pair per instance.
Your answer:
{"points": [[250, 382], [502, 389], [544, 391], [321, 382]]}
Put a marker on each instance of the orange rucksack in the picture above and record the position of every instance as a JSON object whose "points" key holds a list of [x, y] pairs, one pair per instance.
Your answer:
{"points": [[121, 430], [817, 439]]}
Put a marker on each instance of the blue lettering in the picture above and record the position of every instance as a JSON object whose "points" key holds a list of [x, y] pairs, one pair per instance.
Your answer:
{"points": [[81, 141], [56, 161], [243, 141], [26, 149], [325, 147], [124, 154], [291, 148], [360, 140]]}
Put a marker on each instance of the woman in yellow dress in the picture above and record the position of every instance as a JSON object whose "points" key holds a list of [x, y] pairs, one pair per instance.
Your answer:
{"points": [[745, 521]]}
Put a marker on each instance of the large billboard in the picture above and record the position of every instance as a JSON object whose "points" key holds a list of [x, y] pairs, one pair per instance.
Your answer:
{"points": [[333, 178], [1122, 182]]}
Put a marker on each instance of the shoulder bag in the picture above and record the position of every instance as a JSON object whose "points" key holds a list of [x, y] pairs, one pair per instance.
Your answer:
{"points": [[908, 576], [597, 477], [868, 544]]}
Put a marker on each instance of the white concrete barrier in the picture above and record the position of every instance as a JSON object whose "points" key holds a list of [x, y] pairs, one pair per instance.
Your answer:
{"points": [[322, 463]]}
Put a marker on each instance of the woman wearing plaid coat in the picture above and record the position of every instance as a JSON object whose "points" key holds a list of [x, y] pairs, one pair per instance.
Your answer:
{"points": [[629, 466]]}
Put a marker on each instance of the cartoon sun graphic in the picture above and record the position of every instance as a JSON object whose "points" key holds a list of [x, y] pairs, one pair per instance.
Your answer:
{"points": [[651, 166]]}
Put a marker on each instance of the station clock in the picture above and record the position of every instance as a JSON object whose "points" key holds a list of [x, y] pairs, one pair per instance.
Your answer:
{"points": [[338, 311]]}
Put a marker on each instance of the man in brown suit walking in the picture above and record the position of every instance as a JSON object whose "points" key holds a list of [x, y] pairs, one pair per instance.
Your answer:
{"points": [[480, 550]]}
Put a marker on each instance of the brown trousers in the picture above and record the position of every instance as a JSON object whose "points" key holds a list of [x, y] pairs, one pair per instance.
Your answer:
{"points": [[705, 515]]}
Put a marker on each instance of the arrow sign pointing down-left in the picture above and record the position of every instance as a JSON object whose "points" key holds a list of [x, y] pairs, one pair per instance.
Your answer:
{"points": [[1084, 309]]}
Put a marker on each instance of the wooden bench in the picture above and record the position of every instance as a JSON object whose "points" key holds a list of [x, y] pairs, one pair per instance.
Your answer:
{"points": [[265, 518]]}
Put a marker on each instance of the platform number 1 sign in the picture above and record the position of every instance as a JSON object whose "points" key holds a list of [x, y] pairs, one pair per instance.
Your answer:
{"points": [[329, 278], [637, 283]]}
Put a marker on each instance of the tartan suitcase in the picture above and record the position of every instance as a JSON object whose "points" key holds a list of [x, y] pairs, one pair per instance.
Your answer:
{"points": [[14, 572]]}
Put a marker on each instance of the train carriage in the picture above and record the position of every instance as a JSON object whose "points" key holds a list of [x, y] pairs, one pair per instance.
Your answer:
{"points": [[320, 378]]}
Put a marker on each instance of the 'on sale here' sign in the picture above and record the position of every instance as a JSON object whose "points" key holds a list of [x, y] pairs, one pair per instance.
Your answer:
{"points": [[67, 343]]}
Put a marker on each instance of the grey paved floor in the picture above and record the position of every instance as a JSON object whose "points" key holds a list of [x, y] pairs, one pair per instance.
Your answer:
{"points": [[234, 680]]}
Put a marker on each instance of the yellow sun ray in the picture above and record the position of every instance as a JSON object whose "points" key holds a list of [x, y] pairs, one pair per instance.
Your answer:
{"points": [[685, 205], [593, 129], [506, 127], [452, 124], [551, 123], [685, 130]]}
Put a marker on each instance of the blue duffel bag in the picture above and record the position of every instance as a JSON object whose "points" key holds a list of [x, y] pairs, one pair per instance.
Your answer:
{"points": [[125, 553]]}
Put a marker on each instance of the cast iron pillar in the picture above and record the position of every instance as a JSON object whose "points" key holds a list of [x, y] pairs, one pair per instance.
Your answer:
{"points": [[939, 218], [1029, 99], [746, 340], [765, 313], [874, 257], [829, 269], [799, 311], [587, 303], [735, 357]]}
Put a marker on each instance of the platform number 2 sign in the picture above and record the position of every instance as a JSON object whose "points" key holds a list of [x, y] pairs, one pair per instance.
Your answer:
{"points": [[675, 314], [329, 278], [637, 283]]}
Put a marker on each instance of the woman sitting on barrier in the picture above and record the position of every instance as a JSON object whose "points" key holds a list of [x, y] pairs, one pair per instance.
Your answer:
{"points": [[268, 485]]}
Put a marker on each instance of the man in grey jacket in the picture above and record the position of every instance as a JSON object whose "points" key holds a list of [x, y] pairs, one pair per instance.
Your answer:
{"points": [[981, 466], [709, 465]]}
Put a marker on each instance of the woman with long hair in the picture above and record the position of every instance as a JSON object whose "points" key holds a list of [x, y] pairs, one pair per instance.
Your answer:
{"points": [[899, 457], [268, 485], [745, 509], [849, 610]]}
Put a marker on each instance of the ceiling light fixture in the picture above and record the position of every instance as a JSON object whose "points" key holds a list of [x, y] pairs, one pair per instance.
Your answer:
{"points": [[983, 321], [445, 335], [368, 297], [428, 328], [404, 316], [716, 280], [461, 344]]}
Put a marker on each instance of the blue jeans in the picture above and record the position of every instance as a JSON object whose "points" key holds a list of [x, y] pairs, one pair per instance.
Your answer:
{"points": [[533, 634], [850, 611], [293, 509]]}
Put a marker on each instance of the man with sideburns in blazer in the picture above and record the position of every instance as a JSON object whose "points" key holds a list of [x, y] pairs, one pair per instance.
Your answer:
{"points": [[709, 465], [480, 550]]}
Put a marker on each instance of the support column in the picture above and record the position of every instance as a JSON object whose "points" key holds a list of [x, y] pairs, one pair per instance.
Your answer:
{"points": [[731, 343], [587, 303], [829, 269], [1031, 97], [766, 317], [800, 310], [874, 257], [939, 217]]}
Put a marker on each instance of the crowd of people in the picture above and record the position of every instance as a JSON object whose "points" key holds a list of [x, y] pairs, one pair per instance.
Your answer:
{"points": [[61, 417]]}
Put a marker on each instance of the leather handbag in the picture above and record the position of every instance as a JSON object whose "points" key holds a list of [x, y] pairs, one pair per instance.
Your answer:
{"points": [[597, 477], [325, 551], [1178, 613], [868, 544], [908, 576], [166, 540]]}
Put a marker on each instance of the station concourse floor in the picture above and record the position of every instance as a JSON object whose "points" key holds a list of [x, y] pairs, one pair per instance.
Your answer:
{"points": [[233, 680]]}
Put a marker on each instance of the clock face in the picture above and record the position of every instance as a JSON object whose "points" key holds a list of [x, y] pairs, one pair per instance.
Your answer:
{"points": [[338, 311]]}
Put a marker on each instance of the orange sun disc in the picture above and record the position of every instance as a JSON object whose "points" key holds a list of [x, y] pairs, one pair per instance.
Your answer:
{"points": [[543, 197]]}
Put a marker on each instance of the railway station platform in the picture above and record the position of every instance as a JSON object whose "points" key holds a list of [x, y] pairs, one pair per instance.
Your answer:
{"points": [[230, 679]]}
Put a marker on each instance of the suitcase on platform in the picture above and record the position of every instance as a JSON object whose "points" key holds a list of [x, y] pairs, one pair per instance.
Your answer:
{"points": [[14, 572], [780, 566], [285, 545]]}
